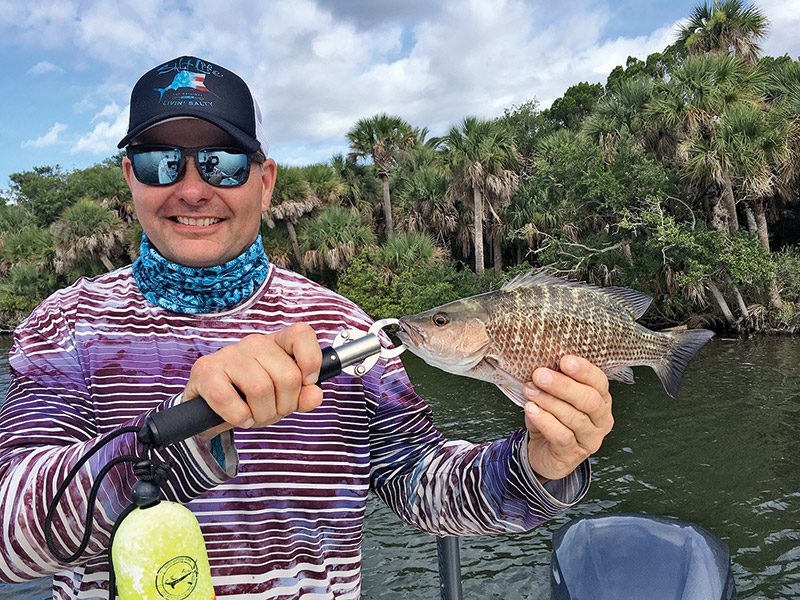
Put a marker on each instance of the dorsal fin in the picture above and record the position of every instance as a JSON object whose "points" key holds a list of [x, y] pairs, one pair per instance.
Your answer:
{"points": [[632, 300]]}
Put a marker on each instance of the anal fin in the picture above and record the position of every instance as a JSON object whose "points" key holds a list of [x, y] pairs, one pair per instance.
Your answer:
{"points": [[623, 374]]}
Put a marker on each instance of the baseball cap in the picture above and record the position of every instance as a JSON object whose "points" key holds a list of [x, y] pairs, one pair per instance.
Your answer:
{"points": [[192, 87]]}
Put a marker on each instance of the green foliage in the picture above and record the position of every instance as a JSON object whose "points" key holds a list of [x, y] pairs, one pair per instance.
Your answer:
{"points": [[290, 185], [333, 237], [656, 66], [641, 184], [527, 124], [26, 280], [416, 288], [104, 180], [13, 218], [43, 192], [29, 244], [323, 180], [575, 105], [787, 271], [402, 251], [363, 283], [746, 261]]}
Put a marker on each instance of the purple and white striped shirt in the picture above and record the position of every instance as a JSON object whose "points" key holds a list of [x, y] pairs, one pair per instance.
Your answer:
{"points": [[284, 518]]}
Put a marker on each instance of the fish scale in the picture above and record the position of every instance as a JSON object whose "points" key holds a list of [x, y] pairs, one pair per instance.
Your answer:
{"points": [[534, 320]]}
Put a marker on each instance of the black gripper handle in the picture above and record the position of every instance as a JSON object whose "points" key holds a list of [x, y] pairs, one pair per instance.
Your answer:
{"points": [[195, 416]]}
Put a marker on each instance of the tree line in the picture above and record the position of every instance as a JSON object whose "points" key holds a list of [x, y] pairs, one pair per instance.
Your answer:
{"points": [[678, 177]]}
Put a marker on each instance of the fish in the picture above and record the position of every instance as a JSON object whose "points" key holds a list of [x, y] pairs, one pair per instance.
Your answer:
{"points": [[534, 320], [185, 79]]}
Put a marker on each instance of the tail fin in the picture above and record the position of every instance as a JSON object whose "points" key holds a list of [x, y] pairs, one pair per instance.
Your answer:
{"points": [[685, 345]]}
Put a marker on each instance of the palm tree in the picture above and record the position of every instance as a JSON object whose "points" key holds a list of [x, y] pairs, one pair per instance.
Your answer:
{"points": [[382, 138], [333, 237], [86, 231], [782, 91], [323, 181], [692, 105], [291, 199], [426, 206], [358, 188], [621, 110], [724, 27], [481, 157], [755, 144], [403, 251]]}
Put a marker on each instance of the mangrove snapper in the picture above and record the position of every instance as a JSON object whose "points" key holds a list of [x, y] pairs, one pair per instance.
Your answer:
{"points": [[534, 320]]}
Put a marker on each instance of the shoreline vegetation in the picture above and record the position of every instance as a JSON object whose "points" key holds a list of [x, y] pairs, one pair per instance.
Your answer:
{"points": [[678, 177]]}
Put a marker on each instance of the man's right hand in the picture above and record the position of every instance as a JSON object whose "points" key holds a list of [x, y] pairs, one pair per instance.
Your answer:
{"points": [[276, 373]]}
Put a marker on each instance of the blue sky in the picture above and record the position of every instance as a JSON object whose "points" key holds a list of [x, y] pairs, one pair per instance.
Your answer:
{"points": [[316, 66]]}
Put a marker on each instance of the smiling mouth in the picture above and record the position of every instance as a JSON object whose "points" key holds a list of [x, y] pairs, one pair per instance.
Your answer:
{"points": [[203, 222]]}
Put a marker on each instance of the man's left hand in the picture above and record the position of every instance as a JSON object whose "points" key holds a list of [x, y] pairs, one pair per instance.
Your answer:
{"points": [[568, 416]]}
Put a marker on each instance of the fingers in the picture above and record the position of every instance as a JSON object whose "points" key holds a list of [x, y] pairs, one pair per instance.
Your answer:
{"points": [[581, 384], [569, 415], [300, 342], [262, 378]]}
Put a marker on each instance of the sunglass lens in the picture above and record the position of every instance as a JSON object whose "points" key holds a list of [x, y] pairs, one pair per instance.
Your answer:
{"points": [[223, 168], [157, 167]]}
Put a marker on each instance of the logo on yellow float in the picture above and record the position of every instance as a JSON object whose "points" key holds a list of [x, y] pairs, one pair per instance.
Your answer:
{"points": [[177, 578]]}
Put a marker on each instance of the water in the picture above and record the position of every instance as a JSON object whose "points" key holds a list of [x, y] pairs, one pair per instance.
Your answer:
{"points": [[724, 455]]}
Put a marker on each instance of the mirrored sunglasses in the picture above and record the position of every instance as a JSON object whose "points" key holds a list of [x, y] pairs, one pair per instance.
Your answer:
{"points": [[165, 165]]}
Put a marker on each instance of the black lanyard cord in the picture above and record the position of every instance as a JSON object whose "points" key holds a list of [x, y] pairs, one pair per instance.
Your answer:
{"points": [[48, 521]]}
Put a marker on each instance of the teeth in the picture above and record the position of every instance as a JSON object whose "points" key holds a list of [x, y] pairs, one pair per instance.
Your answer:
{"points": [[197, 222]]}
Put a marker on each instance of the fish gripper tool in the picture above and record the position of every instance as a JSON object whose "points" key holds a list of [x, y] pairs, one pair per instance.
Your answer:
{"points": [[353, 352]]}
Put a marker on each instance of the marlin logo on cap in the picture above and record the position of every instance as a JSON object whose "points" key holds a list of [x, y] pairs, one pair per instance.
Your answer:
{"points": [[185, 79]]}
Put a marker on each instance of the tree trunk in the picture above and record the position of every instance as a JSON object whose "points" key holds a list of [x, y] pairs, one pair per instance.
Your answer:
{"points": [[497, 248], [761, 224], [723, 306], [718, 217], [740, 302], [751, 220], [775, 296], [106, 262], [298, 257], [762, 233], [477, 199], [387, 206], [730, 204]]}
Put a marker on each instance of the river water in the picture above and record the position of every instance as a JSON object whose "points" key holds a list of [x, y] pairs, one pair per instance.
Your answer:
{"points": [[725, 455]]}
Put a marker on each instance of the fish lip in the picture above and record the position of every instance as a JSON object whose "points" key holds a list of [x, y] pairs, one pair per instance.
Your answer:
{"points": [[414, 335]]}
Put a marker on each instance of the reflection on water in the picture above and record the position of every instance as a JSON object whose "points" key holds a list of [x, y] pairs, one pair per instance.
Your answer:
{"points": [[725, 454]]}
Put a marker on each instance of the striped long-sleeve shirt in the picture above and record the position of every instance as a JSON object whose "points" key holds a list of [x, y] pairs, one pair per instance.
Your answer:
{"points": [[283, 517]]}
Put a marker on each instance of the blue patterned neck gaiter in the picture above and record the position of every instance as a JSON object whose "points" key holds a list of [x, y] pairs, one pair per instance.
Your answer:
{"points": [[194, 290]]}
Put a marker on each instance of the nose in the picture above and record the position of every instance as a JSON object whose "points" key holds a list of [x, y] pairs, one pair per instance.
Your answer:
{"points": [[192, 188]]}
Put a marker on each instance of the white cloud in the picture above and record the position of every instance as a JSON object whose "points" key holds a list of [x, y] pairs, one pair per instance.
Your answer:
{"points": [[318, 66], [103, 138], [784, 17], [43, 67], [48, 139], [109, 111]]}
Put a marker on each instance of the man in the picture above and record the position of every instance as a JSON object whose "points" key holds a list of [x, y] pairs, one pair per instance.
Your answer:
{"points": [[203, 312]]}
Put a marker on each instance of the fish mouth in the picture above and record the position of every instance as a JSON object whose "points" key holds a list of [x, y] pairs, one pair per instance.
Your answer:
{"points": [[410, 335]]}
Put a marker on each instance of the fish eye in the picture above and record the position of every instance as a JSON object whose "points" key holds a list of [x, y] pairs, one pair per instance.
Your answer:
{"points": [[440, 319]]}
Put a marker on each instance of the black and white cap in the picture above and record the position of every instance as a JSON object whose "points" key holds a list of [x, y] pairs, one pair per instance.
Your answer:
{"points": [[192, 87]]}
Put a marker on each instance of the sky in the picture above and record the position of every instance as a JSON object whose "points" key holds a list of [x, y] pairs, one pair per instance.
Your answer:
{"points": [[316, 66]]}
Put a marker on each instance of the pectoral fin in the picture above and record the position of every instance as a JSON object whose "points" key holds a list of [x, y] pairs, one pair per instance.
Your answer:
{"points": [[516, 395]]}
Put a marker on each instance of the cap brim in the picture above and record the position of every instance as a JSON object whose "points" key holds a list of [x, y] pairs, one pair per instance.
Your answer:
{"points": [[246, 141]]}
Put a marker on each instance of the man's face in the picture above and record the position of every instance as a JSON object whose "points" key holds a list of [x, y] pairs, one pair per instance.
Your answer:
{"points": [[192, 222]]}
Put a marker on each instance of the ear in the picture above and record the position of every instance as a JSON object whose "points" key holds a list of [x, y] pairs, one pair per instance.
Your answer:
{"points": [[127, 171], [269, 173]]}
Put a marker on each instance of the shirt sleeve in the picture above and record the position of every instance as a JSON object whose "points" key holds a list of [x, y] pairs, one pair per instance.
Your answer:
{"points": [[47, 423], [453, 487]]}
